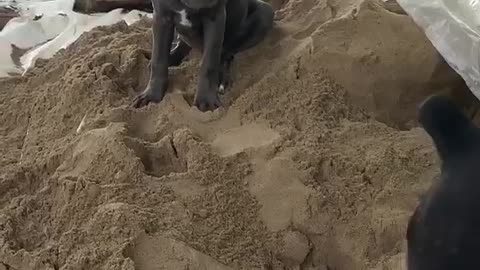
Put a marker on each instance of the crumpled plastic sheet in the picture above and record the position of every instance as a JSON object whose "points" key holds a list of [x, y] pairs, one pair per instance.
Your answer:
{"points": [[45, 27], [453, 27]]}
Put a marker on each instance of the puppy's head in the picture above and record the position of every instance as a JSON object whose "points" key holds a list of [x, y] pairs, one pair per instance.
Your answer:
{"points": [[451, 130], [200, 4]]}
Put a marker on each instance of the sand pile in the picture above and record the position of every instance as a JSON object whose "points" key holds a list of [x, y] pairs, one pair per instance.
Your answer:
{"points": [[311, 164]]}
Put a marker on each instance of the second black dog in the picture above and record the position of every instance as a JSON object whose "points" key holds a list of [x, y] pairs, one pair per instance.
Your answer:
{"points": [[444, 231]]}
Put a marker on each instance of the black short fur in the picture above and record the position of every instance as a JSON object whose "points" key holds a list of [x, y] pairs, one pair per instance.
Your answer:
{"points": [[444, 231]]}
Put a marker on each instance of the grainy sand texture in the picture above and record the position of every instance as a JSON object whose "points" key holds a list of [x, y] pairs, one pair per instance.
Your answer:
{"points": [[314, 162]]}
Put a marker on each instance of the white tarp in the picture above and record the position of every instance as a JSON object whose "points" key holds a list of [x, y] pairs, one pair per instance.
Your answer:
{"points": [[453, 27], [57, 28]]}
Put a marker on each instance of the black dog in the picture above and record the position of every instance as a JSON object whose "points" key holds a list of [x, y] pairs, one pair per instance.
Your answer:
{"points": [[219, 28], [444, 231]]}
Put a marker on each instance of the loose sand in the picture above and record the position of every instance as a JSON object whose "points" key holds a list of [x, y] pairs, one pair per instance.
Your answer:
{"points": [[314, 162]]}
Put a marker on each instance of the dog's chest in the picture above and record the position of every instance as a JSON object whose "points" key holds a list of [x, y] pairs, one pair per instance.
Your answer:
{"points": [[183, 18], [186, 20]]}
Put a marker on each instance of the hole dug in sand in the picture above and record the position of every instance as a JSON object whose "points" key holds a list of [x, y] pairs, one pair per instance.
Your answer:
{"points": [[160, 158]]}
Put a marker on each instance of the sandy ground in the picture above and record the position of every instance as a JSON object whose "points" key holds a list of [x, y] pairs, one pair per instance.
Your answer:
{"points": [[315, 161]]}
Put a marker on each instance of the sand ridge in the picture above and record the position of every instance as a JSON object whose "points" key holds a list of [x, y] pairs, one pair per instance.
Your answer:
{"points": [[314, 162]]}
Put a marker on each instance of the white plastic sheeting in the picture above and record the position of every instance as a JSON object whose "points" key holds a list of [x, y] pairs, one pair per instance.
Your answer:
{"points": [[453, 27], [57, 27]]}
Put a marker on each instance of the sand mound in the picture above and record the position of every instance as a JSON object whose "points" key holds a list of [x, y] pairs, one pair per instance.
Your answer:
{"points": [[305, 166]]}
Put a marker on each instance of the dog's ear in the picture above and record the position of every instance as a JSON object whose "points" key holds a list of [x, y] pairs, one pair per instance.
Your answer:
{"points": [[452, 132]]}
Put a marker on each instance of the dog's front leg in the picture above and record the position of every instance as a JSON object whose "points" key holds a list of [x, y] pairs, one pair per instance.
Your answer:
{"points": [[214, 29], [163, 29]]}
